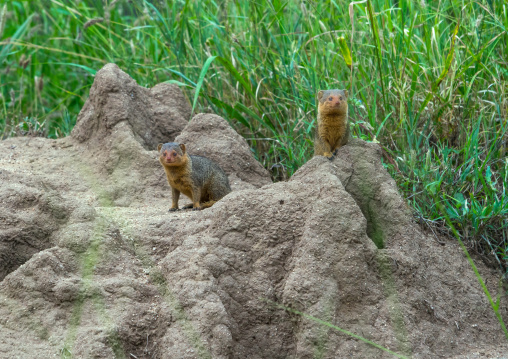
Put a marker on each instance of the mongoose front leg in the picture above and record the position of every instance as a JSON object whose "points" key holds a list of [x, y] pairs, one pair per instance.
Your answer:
{"points": [[175, 197], [342, 142], [322, 147], [327, 149], [196, 198]]}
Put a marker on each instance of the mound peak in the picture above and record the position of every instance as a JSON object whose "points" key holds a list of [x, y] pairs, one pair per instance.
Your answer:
{"points": [[153, 114]]}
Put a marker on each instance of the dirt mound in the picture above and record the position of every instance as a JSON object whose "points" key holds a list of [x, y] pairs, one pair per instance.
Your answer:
{"points": [[154, 114], [374, 190], [28, 217], [121, 120], [95, 266], [424, 277]]}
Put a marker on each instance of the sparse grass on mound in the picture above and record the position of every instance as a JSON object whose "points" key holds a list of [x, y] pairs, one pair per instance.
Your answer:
{"points": [[427, 81]]}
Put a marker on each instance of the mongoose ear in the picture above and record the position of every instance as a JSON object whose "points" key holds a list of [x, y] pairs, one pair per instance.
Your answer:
{"points": [[320, 94], [346, 93], [159, 146], [182, 146]]}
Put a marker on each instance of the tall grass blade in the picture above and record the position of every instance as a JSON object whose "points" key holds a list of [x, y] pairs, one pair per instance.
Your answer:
{"points": [[346, 54], [200, 82], [375, 33], [448, 63], [52, 49], [7, 45], [83, 67], [229, 66], [3, 16], [164, 28], [352, 21]]}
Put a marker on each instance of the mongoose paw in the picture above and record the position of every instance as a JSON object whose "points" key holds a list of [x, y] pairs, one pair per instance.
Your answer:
{"points": [[173, 209], [329, 155]]}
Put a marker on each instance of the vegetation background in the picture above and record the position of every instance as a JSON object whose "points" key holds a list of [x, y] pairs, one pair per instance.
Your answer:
{"points": [[427, 81]]}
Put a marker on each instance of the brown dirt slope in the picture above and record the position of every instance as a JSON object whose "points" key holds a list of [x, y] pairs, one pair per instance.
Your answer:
{"points": [[93, 265]]}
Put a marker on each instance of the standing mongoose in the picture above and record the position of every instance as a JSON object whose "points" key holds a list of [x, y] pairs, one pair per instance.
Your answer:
{"points": [[199, 178], [332, 122]]}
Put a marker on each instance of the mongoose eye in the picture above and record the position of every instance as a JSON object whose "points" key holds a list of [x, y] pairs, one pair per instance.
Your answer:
{"points": [[340, 98], [330, 98]]}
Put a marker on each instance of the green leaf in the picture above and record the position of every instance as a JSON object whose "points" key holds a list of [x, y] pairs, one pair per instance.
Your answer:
{"points": [[17, 36], [3, 16], [178, 83], [200, 82], [86, 68], [488, 177], [459, 197], [182, 76], [165, 29], [344, 50], [433, 187], [236, 75], [448, 63], [231, 111]]}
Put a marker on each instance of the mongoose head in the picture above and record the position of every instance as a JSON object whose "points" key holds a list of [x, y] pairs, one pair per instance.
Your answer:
{"points": [[172, 154], [332, 102]]}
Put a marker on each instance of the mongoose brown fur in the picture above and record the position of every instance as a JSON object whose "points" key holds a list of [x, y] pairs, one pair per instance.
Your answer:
{"points": [[199, 178], [332, 122]]}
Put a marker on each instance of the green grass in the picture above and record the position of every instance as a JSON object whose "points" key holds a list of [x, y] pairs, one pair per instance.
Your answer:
{"points": [[426, 82]]}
